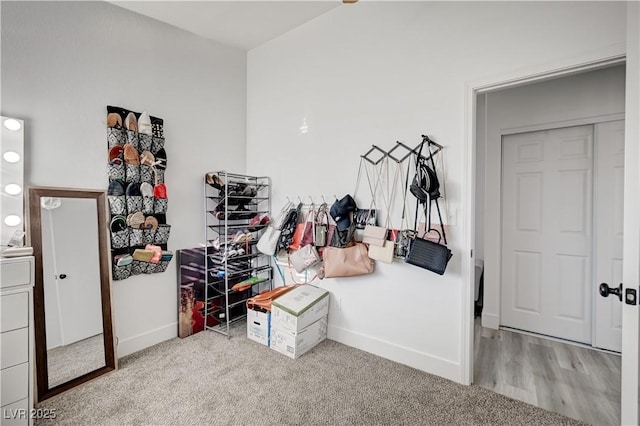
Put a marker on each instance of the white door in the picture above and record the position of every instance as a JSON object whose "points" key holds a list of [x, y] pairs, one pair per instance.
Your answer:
{"points": [[75, 240], [547, 232], [608, 206]]}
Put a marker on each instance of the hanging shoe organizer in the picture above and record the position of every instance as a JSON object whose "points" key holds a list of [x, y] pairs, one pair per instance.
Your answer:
{"points": [[137, 193]]}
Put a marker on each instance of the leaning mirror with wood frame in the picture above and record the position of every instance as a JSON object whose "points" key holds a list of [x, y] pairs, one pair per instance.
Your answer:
{"points": [[72, 294]]}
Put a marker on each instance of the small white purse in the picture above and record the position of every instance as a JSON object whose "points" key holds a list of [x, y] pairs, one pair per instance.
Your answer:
{"points": [[304, 258]]}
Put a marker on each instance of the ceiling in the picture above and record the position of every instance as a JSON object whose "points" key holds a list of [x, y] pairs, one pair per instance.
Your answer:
{"points": [[243, 24]]}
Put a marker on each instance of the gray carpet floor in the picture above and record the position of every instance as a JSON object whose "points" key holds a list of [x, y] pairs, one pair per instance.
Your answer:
{"points": [[67, 362], [207, 379]]}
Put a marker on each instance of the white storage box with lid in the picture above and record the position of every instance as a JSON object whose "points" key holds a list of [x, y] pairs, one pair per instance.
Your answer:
{"points": [[299, 308], [258, 326]]}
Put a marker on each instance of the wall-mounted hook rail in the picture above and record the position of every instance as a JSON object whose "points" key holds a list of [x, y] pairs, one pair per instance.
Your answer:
{"points": [[375, 148], [400, 145], [417, 151], [427, 140]]}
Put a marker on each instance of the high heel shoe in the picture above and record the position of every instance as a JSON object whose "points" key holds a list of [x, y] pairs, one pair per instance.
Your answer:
{"points": [[215, 181], [259, 219]]}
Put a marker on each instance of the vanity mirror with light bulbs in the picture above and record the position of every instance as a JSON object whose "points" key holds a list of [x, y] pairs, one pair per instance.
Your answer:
{"points": [[12, 183]]}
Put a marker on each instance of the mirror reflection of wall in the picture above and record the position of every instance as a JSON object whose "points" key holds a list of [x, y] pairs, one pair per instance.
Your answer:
{"points": [[71, 281], [11, 180]]}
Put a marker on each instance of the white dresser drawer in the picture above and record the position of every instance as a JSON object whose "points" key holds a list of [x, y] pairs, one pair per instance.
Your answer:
{"points": [[16, 414], [14, 347], [14, 311], [15, 383], [15, 272]]}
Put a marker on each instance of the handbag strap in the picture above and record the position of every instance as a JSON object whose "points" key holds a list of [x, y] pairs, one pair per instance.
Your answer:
{"points": [[293, 278], [374, 189], [390, 195], [279, 221], [310, 215], [322, 211], [404, 220], [355, 191]]}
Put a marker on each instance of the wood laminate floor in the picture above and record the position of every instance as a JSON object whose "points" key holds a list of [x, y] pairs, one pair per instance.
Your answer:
{"points": [[578, 382]]}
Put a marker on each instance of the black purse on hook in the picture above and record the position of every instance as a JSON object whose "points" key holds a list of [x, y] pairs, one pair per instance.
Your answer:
{"points": [[429, 255]]}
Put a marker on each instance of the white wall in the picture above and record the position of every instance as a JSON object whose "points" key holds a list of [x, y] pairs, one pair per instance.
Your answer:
{"points": [[590, 97], [377, 72], [63, 62]]}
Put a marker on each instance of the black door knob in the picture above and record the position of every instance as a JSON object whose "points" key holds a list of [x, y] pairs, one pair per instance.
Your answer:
{"points": [[63, 276], [605, 290]]}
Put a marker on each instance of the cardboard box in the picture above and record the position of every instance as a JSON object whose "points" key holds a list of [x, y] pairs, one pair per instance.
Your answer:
{"points": [[299, 308], [295, 343], [259, 326]]}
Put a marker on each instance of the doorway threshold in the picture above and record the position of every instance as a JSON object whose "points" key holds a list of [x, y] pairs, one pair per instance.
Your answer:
{"points": [[558, 339]]}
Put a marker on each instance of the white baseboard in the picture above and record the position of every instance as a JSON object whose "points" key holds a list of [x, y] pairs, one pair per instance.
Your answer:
{"points": [[490, 320], [407, 356], [141, 341]]}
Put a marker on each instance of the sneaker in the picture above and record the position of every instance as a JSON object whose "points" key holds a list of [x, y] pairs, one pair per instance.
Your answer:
{"points": [[116, 187], [241, 237], [229, 252], [133, 190], [161, 159], [144, 124], [146, 189]]}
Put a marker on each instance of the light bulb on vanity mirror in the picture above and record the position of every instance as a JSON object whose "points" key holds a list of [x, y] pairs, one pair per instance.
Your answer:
{"points": [[12, 235]]}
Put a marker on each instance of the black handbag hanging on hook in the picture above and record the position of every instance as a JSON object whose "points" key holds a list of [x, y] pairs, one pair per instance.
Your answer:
{"points": [[426, 188]]}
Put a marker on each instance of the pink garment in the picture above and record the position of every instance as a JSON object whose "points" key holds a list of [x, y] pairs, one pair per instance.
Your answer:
{"points": [[157, 253]]}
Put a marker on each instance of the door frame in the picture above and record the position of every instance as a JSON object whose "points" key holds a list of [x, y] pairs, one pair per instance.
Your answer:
{"points": [[589, 61]]}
